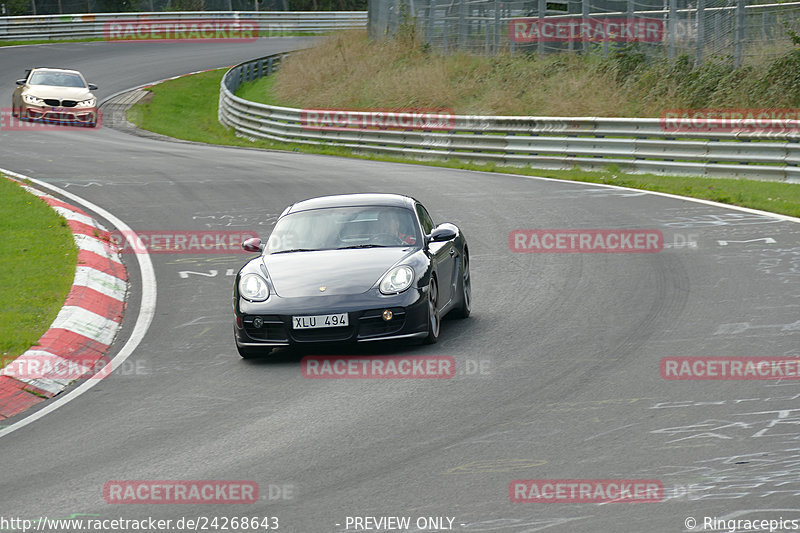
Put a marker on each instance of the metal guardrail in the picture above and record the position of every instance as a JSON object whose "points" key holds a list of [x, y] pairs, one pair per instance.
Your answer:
{"points": [[93, 25], [632, 144]]}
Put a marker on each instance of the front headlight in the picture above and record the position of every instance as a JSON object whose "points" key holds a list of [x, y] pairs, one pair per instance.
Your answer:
{"points": [[397, 280], [253, 287], [86, 103], [30, 99]]}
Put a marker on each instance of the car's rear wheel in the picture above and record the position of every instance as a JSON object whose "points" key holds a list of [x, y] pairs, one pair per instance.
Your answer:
{"points": [[465, 306], [249, 352], [434, 320]]}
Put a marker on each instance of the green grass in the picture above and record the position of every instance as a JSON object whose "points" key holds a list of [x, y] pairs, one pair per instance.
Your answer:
{"points": [[49, 41], [186, 108], [37, 266], [261, 90], [265, 33]]}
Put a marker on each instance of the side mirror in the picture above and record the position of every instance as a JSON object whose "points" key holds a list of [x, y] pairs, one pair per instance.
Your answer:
{"points": [[92, 87], [442, 233], [21, 82], [253, 244]]}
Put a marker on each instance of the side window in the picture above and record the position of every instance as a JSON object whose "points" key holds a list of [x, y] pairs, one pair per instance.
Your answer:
{"points": [[425, 219]]}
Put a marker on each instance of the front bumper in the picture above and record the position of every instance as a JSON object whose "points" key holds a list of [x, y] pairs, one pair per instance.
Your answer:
{"points": [[365, 320], [78, 116]]}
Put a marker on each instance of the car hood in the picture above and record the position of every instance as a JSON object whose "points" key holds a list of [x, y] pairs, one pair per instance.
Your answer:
{"points": [[355, 271], [60, 93]]}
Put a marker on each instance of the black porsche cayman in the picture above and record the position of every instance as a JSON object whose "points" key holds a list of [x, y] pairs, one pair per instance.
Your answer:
{"points": [[350, 268]]}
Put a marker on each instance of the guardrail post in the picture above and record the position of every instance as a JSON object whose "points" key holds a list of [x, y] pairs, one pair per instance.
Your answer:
{"points": [[584, 16], [541, 10], [496, 26], [462, 24], [672, 28], [737, 57], [630, 13], [429, 14], [701, 30]]}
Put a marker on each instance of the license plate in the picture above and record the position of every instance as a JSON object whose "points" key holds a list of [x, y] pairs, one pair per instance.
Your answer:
{"points": [[319, 321]]}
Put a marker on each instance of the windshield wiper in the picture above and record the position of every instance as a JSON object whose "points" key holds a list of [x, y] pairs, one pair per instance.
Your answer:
{"points": [[295, 250], [363, 246]]}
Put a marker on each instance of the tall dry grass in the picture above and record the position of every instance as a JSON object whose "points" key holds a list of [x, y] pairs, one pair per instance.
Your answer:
{"points": [[348, 70]]}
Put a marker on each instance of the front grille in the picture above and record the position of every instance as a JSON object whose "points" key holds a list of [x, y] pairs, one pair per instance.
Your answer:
{"points": [[369, 324], [52, 102], [68, 103], [323, 334]]}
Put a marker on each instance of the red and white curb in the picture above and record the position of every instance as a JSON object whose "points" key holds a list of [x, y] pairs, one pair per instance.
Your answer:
{"points": [[85, 327]]}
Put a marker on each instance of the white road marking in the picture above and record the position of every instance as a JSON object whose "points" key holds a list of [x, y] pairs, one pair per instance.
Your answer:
{"points": [[767, 240]]}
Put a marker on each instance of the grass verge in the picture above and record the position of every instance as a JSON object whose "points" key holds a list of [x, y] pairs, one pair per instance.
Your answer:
{"points": [[348, 70], [264, 34], [186, 108], [37, 267], [49, 41]]}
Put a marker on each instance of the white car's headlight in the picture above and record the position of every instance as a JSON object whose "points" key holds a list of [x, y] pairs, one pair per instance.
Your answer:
{"points": [[253, 287], [86, 103], [397, 280], [30, 99]]}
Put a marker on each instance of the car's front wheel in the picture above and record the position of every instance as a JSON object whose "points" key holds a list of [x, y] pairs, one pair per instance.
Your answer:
{"points": [[249, 352], [465, 306], [434, 320]]}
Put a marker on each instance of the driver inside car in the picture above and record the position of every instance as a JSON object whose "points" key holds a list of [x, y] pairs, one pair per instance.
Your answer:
{"points": [[390, 220]]}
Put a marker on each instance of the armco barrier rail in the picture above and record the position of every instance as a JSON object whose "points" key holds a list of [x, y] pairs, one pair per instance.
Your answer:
{"points": [[49, 27], [632, 144]]}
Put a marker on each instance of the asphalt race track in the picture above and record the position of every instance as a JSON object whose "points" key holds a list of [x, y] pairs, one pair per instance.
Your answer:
{"points": [[558, 372]]}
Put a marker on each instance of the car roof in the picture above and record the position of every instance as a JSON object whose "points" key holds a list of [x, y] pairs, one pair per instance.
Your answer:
{"points": [[352, 200], [52, 69]]}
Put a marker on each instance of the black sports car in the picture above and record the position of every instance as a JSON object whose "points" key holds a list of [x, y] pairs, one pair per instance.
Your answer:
{"points": [[350, 268]]}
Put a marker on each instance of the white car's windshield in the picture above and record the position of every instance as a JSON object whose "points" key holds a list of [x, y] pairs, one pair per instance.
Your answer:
{"points": [[56, 79], [344, 227]]}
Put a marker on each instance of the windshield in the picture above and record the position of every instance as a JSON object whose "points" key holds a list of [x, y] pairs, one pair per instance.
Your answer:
{"points": [[56, 79], [344, 227]]}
